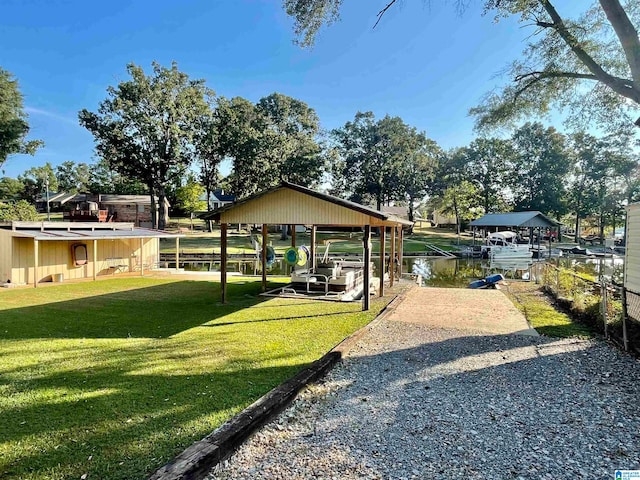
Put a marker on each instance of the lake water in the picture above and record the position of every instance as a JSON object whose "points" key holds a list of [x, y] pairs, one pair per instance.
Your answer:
{"points": [[442, 272]]}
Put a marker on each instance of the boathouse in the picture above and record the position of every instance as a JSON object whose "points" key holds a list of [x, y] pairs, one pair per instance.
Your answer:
{"points": [[294, 205]]}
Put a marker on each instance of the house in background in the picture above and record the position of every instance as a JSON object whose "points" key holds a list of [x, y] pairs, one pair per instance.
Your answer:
{"points": [[218, 199], [36, 252], [57, 201], [88, 207]]}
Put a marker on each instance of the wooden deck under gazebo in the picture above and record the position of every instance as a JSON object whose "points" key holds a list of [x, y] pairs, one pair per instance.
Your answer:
{"points": [[291, 204]]}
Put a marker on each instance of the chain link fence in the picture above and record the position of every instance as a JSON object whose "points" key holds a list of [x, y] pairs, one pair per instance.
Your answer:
{"points": [[605, 306]]}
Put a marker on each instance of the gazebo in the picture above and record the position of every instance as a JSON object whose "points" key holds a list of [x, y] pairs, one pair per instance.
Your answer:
{"points": [[291, 204], [531, 220]]}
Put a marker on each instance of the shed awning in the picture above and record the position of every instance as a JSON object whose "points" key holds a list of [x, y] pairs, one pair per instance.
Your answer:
{"points": [[51, 231], [515, 219], [291, 204]]}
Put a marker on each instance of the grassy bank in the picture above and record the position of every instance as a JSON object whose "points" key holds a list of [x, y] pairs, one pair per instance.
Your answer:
{"points": [[541, 314], [113, 378]]}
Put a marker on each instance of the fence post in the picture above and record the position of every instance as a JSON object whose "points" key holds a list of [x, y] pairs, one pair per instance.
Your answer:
{"points": [[557, 282], [605, 309], [625, 340]]}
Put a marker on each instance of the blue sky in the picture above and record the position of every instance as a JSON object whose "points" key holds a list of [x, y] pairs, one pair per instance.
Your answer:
{"points": [[424, 62]]}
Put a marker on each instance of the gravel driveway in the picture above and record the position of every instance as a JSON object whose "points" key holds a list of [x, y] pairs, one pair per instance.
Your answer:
{"points": [[417, 401]]}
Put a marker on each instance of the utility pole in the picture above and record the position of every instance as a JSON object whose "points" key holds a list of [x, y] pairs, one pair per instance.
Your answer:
{"points": [[46, 186]]}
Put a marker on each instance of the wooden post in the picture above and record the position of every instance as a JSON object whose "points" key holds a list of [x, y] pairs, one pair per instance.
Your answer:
{"points": [[383, 231], [293, 236], [367, 265], [95, 259], [36, 259], [142, 257], [265, 239], [223, 261], [605, 309], [400, 250], [392, 256], [312, 248], [625, 339], [177, 253]]}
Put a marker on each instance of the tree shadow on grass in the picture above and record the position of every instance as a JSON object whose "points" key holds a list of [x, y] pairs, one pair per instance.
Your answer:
{"points": [[125, 426], [158, 311]]}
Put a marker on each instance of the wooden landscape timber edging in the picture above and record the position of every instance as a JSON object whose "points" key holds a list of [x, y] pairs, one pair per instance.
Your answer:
{"points": [[197, 460]]}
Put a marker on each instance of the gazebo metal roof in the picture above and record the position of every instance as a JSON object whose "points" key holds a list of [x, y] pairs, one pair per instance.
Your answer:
{"points": [[289, 203], [515, 219]]}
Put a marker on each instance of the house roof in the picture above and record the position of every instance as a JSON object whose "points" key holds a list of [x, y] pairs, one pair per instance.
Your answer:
{"points": [[61, 197], [289, 203], [400, 211], [515, 219], [52, 231], [224, 197], [112, 199]]}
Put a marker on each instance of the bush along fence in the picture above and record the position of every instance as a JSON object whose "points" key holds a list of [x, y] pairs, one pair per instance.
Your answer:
{"points": [[605, 306]]}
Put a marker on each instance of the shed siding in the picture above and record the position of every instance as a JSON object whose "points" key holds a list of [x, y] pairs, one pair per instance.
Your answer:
{"points": [[632, 258], [6, 252], [286, 206], [56, 257]]}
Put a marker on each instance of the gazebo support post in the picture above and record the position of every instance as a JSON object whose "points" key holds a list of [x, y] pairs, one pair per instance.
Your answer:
{"points": [[223, 262], [177, 252], [383, 231], [142, 258], [392, 256], [400, 250], [36, 256], [95, 259], [293, 236], [265, 239], [367, 266], [312, 249]]}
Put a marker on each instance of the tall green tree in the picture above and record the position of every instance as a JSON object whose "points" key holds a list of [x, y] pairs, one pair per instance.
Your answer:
{"points": [[37, 180], [13, 120], [106, 180], [541, 168], [454, 193], [489, 162], [73, 177], [147, 126], [209, 152], [11, 189], [373, 159], [589, 64], [271, 141], [188, 198]]}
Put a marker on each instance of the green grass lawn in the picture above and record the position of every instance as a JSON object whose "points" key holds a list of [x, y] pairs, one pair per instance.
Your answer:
{"points": [[113, 378], [542, 315]]}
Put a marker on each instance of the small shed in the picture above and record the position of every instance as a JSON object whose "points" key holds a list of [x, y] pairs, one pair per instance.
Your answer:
{"points": [[291, 204], [35, 252], [632, 261]]}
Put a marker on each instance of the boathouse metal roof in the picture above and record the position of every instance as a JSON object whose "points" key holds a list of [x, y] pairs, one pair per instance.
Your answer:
{"points": [[291, 204], [515, 219]]}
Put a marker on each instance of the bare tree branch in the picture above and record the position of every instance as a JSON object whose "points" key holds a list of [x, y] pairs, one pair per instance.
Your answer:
{"points": [[383, 11]]}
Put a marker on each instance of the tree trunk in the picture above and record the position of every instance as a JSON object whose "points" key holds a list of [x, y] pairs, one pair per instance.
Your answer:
{"points": [[154, 209], [577, 234], [283, 235], [162, 210]]}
